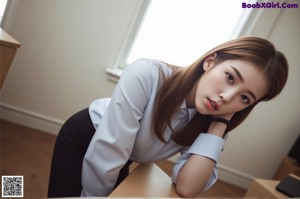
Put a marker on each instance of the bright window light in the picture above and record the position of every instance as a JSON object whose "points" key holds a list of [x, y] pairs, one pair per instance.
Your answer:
{"points": [[2, 8], [180, 31]]}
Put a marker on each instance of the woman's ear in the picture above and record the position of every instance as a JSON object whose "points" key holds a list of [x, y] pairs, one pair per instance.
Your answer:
{"points": [[208, 61]]}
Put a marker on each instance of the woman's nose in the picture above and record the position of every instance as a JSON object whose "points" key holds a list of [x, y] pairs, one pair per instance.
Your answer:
{"points": [[227, 96]]}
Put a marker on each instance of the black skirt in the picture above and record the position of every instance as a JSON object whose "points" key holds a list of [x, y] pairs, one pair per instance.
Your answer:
{"points": [[70, 148]]}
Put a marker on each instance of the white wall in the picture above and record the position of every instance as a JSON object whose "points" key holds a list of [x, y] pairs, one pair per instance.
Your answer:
{"points": [[65, 48], [60, 69]]}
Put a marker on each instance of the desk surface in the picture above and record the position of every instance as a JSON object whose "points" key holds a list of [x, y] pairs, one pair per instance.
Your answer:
{"points": [[147, 180], [144, 182]]}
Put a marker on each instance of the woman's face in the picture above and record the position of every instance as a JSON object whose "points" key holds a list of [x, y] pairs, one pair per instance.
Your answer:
{"points": [[228, 87]]}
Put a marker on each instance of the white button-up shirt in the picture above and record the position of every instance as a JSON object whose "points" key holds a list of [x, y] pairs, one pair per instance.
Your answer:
{"points": [[124, 130]]}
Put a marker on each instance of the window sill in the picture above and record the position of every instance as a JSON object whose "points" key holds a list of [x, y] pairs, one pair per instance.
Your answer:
{"points": [[114, 74]]}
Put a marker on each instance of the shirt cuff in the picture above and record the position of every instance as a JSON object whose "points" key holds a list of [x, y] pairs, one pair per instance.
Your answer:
{"points": [[208, 145]]}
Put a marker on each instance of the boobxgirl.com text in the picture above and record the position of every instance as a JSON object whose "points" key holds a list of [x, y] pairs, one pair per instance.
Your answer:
{"points": [[269, 5]]}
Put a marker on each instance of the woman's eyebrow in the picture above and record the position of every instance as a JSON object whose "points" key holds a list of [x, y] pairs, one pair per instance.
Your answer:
{"points": [[238, 73], [242, 80]]}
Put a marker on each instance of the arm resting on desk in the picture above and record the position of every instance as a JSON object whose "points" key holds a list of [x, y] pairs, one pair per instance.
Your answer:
{"points": [[196, 169]]}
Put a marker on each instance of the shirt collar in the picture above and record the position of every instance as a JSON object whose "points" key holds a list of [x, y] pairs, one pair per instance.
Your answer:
{"points": [[191, 111]]}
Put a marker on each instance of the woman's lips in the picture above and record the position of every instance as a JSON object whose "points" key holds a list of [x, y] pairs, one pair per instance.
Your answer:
{"points": [[212, 105]]}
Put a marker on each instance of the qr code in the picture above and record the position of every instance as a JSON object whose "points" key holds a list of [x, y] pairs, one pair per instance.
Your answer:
{"points": [[12, 186]]}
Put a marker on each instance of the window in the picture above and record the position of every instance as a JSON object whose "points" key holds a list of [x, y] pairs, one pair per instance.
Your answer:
{"points": [[8, 10], [180, 31], [2, 8]]}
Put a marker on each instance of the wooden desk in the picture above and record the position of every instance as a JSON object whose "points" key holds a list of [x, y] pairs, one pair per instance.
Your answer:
{"points": [[8, 49], [147, 180], [144, 182]]}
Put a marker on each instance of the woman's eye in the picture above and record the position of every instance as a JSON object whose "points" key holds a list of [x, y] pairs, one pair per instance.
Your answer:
{"points": [[245, 99], [229, 78]]}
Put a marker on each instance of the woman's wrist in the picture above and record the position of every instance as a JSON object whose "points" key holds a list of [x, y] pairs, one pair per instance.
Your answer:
{"points": [[217, 128], [222, 120], [218, 124]]}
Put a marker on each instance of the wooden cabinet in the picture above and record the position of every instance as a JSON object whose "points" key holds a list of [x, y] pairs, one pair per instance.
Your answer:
{"points": [[287, 166], [8, 49], [263, 188], [266, 188]]}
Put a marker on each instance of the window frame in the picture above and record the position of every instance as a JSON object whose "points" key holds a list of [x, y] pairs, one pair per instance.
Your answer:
{"points": [[115, 71]]}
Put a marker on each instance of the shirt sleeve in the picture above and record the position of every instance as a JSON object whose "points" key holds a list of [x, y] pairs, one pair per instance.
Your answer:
{"points": [[114, 138], [206, 145]]}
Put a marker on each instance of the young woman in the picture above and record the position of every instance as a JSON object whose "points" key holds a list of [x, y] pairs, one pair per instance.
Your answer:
{"points": [[158, 110]]}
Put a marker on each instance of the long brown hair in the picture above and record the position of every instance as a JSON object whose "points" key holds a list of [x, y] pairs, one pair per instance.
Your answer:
{"points": [[176, 88]]}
